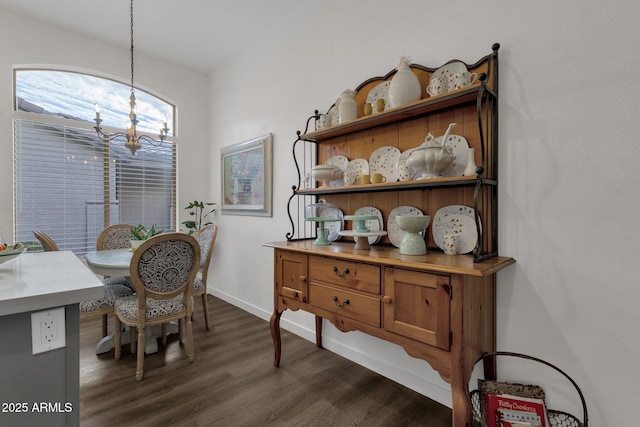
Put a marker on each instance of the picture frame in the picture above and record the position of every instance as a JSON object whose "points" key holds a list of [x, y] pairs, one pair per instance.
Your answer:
{"points": [[246, 170]]}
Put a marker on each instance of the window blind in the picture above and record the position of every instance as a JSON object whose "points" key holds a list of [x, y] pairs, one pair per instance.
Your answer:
{"points": [[71, 185]]}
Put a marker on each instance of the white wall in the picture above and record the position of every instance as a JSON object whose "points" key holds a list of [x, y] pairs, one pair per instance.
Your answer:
{"points": [[28, 42], [569, 123]]}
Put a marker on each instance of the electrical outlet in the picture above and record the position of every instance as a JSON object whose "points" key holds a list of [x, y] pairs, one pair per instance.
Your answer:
{"points": [[47, 330]]}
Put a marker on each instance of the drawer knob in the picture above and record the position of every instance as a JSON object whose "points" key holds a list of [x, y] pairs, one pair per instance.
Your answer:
{"points": [[338, 303], [337, 272], [387, 299]]}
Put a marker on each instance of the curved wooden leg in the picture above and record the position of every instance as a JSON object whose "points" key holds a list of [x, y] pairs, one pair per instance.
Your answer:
{"points": [[117, 340], [461, 409], [163, 333], [205, 309], [132, 338], [275, 334], [318, 331], [190, 346], [140, 360]]}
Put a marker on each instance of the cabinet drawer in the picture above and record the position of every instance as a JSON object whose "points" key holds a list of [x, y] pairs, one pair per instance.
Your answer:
{"points": [[355, 275], [349, 304]]}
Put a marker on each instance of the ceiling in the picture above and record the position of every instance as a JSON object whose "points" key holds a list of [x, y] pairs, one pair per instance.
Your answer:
{"points": [[197, 34]]}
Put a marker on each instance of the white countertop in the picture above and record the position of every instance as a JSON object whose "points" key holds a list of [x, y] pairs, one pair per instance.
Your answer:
{"points": [[37, 281]]}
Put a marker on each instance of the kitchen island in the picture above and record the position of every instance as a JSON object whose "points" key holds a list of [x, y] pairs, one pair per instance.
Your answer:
{"points": [[43, 388]]}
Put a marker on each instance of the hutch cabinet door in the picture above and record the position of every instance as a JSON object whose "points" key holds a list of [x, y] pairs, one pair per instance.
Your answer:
{"points": [[291, 275], [417, 306]]}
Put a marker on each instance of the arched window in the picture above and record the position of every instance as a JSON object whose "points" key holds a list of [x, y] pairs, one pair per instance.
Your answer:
{"points": [[71, 184]]}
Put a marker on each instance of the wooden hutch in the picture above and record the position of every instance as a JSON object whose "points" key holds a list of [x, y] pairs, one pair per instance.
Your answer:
{"points": [[439, 308]]}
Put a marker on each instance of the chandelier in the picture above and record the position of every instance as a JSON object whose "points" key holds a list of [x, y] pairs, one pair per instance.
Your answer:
{"points": [[133, 140]]}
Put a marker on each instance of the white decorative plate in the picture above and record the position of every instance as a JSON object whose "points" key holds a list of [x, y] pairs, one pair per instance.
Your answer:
{"points": [[460, 148], [356, 168], [380, 91], [396, 233], [448, 70], [372, 224], [456, 219], [385, 161], [405, 173], [341, 162], [334, 227]]}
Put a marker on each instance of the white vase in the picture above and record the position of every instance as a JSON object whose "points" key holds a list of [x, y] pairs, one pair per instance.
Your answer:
{"points": [[347, 109], [404, 86], [470, 168]]}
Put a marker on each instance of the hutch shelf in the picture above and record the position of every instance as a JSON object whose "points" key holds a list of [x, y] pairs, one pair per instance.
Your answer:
{"points": [[439, 308]]}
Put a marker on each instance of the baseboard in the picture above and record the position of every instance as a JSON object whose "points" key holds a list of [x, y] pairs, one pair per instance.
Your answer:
{"points": [[395, 372], [249, 308]]}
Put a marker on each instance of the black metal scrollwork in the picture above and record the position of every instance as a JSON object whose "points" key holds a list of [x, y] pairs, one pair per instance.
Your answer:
{"points": [[316, 115]]}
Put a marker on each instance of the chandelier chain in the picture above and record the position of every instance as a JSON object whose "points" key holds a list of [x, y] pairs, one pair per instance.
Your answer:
{"points": [[132, 87]]}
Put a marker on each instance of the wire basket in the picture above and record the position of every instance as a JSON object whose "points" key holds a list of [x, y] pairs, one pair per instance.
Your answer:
{"points": [[556, 418]]}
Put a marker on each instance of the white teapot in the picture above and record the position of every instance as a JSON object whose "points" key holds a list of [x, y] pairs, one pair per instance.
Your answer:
{"points": [[430, 162]]}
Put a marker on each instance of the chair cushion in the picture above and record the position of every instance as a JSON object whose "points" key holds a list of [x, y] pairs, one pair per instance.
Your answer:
{"points": [[198, 285], [128, 307], [118, 280], [111, 294]]}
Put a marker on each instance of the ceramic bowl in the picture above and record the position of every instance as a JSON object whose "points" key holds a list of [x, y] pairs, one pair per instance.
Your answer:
{"points": [[10, 254], [326, 173], [413, 223]]}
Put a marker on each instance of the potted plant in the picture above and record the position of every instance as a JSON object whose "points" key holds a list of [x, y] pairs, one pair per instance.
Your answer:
{"points": [[139, 234], [200, 211]]}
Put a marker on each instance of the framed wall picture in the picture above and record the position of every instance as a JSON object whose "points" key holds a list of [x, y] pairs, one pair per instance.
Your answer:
{"points": [[246, 177]]}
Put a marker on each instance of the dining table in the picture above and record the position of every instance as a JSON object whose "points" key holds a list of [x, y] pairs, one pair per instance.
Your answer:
{"points": [[110, 262], [116, 262]]}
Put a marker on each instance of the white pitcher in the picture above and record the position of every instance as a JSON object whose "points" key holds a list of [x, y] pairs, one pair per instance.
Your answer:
{"points": [[347, 107]]}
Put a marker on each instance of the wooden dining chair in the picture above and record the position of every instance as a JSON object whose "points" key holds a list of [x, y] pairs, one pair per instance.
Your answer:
{"points": [[47, 242], [104, 305], [206, 238], [162, 271], [116, 236]]}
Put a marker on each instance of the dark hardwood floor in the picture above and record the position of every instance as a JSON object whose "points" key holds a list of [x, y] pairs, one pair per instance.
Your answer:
{"points": [[232, 382]]}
